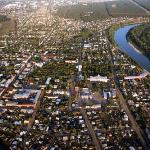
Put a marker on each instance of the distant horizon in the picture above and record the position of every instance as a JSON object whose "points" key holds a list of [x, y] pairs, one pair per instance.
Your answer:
{"points": [[97, 0]]}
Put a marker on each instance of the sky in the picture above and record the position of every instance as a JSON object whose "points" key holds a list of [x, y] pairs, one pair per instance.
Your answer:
{"points": [[98, 0]]}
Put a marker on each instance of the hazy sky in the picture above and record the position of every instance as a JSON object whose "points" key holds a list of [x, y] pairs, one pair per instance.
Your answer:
{"points": [[99, 0]]}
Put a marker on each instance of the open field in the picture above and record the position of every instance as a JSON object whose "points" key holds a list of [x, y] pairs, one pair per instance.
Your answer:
{"points": [[123, 8], [3, 18], [6, 24], [89, 11], [144, 3], [101, 10]]}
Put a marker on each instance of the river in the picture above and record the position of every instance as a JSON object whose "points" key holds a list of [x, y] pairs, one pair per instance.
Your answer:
{"points": [[121, 40]]}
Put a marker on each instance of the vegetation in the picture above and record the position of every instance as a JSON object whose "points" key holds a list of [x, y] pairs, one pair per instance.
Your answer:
{"points": [[87, 12], [6, 24], [99, 11], [36, 58], [4, 18], [144, 3], [140, 37], [85, 33], [111, 31], [54, 70], [123, 8]]}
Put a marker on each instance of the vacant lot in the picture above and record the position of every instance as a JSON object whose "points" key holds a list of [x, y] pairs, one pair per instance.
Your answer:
{"points": [[101, 10]]}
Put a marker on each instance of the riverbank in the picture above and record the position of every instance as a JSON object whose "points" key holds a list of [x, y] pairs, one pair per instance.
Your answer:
{"points": [[123, 44], [111, 31], [140, 37], [135, 48]]}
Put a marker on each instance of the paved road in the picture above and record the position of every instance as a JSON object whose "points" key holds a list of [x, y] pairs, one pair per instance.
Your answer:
{"points": [[88, 124], [31, 122], [15, 77], [71, 86], [90, 129], [143, 139], [139, 5], [135, 126]]}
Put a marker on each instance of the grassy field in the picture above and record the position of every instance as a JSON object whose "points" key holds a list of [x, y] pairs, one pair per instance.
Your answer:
{"points": [[88, 12], [4, 18], [123, 8], [140, 37], [6, 24], [101, 10], [144, 3]]}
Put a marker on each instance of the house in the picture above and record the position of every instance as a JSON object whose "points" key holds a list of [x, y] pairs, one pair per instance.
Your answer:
{"points": [[71, 61], [11, 103], [125, 118], [1, 103], [48, 81], [87, 46]]}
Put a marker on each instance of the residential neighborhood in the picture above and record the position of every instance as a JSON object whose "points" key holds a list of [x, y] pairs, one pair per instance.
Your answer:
{"points": [[64, 84]]}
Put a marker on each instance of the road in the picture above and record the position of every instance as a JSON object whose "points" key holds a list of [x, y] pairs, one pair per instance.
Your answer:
{"points": [[14, 78], [90, 129], [71, 86], [143, 139], [37, 106], [135, 126], [139, 5], [82, 110]]}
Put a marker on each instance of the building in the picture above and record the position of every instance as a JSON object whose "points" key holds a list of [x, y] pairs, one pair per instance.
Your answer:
{"points": [[26, 96], [86, 94], [98, 79]]}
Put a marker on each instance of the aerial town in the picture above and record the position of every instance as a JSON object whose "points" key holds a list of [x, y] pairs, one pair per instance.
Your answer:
{"points": [[65, 84]]}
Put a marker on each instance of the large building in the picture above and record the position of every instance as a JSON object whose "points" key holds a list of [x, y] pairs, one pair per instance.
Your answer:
{"points": [[27, 96], [98, 79]]}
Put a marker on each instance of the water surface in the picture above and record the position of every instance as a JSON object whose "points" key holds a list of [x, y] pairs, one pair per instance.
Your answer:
{"points": [[121, 39]]}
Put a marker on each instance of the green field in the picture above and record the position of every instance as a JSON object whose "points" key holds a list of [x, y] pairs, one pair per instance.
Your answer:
{"points": [[144, 3], [101, 10], [88, 12], [124, 8], [6, 24], [140, 37], [4, 18]]}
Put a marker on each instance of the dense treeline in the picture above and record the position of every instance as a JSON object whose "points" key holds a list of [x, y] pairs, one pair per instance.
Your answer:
{"points": [[140, 37]]}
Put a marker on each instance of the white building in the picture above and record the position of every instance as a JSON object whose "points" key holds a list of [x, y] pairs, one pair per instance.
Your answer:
{"points": [[98, 79]]}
